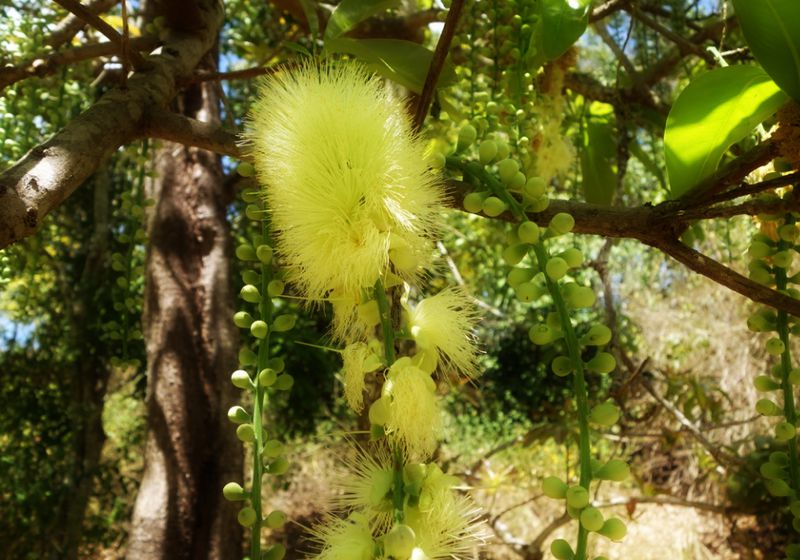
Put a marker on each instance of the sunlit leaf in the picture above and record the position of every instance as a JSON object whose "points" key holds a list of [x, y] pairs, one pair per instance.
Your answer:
{"points": [[350, 13]]}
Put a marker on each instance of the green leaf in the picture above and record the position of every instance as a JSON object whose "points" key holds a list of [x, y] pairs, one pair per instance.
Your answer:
{"points": [[310, 10], [404, 62], [772, 29], [713, 112], [562, 25], [349, 13], [598, 156]]}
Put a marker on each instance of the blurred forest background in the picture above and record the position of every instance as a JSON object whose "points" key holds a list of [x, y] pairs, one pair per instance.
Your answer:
{"points": [[89, 383]]}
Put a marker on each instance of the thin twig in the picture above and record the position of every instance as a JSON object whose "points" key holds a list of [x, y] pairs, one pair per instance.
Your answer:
{"points": [[437, 63], [100, 25]]}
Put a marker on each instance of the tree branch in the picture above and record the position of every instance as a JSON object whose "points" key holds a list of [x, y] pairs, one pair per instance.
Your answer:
{"points": [[51, 171], [68, 27], [437, 62], [100, 25], [46, 66]]}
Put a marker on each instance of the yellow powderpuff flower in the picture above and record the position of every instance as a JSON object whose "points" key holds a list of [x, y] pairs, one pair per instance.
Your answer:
{"points": [[442, 327], [344, 539], [450, 527], [345, 179], [414, 418], [365, 485], [359, 360]]}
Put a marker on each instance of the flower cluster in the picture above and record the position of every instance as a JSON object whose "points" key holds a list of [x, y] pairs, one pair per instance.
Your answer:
{"points": [[354, 209]]}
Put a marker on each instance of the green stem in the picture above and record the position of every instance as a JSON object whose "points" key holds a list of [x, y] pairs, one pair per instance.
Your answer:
{"points": [[789, 411], [265, 314], [579, 387]]}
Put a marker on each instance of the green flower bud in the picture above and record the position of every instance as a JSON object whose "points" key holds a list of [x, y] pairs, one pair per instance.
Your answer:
{"points": [[603, 362], [775, 347], [278, 466], [780, 458], [614, 529], [561, 223], [592, 519], [245, 169], [238, 415], [267, 377], [246, 516], [764, 383], [507, 169], [782, 259], [275, 552], [284, 382], [768, 408], [793, 550], [518, 276], [778, 488], [466, 136], [598, 335], [535, 187], [794, 507], [487, 152], [246, 433], [761, 276], [259, 329], [604, 414], [272, 448], [502, 150], [615, 470], [539, 204], [241, 379], [555, 488], [277, 364], [246, 253], [573, 257], [577, 497], [247, 357], [528, 232], [473, 202], [251, 277], [562, 366], [541, 335], [399, 542], [528, 292], [556, 268], [276, 519], [517, 181], [579, 297], [251, 195], [514, 254], [493, 206], [788, 232], [437, 160], [759, 250], [264, 254], [250, 294], [253, 212], [561, 550], [771, 471], [757, 322], [234, 492], [794, 376], [283, 323], [554, 320], [785, 431], [275, 288], [242, 319]]}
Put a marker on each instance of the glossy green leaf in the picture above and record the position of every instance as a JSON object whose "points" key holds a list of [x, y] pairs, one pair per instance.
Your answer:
{"points": [[350, 13], [310, 11], [598, 156], [772, 30], [713, 112], [563, 22], [402, 61]]}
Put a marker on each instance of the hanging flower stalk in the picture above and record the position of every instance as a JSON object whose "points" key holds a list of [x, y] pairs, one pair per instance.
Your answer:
{"points": [[354, 210]]}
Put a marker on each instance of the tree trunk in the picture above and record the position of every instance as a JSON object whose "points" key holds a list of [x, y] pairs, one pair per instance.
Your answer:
{"points": [[191, 450]]}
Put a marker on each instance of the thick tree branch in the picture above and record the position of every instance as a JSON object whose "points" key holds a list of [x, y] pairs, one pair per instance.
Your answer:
{"points": [[100, 25], [437, 62], [50, 172], [45, 66], [166, 125]]}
